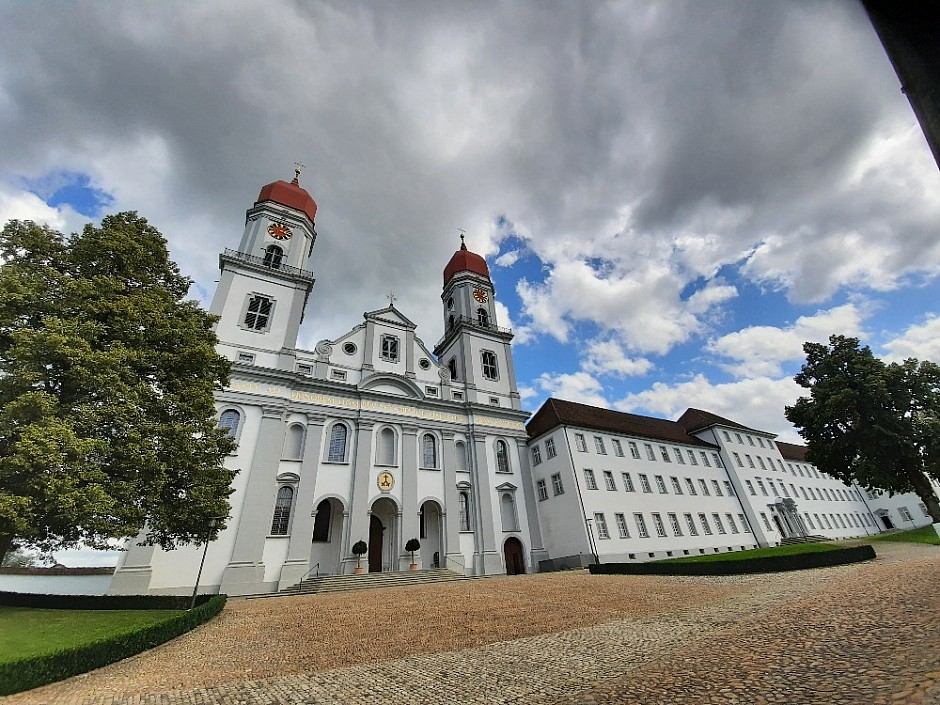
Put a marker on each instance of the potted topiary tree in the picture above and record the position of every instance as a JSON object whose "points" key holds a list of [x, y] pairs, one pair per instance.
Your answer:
{"points": [[358, 549], [412, 546]]}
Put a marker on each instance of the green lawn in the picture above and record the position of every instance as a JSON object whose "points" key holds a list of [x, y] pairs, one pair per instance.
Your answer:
{"points": [[26, 632], [924, 534], [756, 553]]}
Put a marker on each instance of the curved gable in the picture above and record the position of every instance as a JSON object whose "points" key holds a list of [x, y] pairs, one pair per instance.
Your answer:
{"points": [[391, 384]]}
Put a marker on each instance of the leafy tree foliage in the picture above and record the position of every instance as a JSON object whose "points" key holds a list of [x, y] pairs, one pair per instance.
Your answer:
{"points": [[868, 422], [107, 373]]}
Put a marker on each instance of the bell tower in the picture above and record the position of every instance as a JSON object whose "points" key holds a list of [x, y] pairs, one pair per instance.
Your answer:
{"points": [[264, 285], [474, 348]]}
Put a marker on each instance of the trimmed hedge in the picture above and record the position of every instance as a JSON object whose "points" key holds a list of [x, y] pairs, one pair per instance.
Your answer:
{"points": [[100, 602], [769, 564], [32, 672]]}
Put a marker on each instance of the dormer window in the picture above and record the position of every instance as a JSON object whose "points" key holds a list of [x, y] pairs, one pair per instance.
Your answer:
{"points": [[390, 348], [273, 255]]}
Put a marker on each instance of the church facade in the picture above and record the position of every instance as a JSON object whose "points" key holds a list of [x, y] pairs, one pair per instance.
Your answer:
{"points": [[372, 436]]}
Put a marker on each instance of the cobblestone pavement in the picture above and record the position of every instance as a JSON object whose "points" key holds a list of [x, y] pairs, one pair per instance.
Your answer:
{"points": [[859, 635]]}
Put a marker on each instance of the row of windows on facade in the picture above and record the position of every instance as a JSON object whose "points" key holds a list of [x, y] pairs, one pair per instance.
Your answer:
{"points": [[386, 445], [601, 449], [639, 520], [809, 471], [760, 441], [280, 522], [819, 493], [610, 483]]}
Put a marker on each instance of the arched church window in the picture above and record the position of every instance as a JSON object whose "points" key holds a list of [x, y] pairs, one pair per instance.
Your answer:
{"points": [[452, 366], [273, 255], [386, 447], [502, 456], [282, 506], [294, 443], [337, 451], [428, 451], [450, 322], [229, 420], [483, 317], [258, 313], [321, 523], [461, 455], [463, 499]]}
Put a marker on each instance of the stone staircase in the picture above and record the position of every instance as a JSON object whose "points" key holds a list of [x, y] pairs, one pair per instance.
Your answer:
{"points": [[803, 539], [368, 581]]}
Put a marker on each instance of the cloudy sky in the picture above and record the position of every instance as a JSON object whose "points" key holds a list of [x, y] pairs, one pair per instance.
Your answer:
{"points": [[672, 196]]}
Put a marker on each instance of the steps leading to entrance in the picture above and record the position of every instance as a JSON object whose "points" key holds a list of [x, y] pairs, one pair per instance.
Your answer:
{"points": [[369, 581], [790, 540]]}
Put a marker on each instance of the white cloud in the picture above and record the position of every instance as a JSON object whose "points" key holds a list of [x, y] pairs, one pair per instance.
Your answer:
{"points": [[579, 387], [919, 340], [607, 357], [18, 204], [758, 402]]}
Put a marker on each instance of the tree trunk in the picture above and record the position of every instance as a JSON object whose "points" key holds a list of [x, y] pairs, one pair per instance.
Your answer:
{"points": [[5, 543], [925, 491]]}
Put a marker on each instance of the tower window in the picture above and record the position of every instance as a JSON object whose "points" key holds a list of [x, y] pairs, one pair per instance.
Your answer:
{"points": [[452, 366], [273, 255], [483, 318], [502, 456], [258, 314], [390, 348], [490, 370]]}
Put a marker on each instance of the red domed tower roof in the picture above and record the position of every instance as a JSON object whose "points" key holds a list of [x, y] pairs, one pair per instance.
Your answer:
{"points": [[465, 261], [291, 195]]}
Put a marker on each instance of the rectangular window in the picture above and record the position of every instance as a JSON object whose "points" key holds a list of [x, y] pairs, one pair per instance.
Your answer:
{"points": [[650, 455], [678, 454], [784, 488], [627, 482], [247, 358], [750, 487], [645, 483], [658, 524], [618, 449], [542, 490], [258, 314], [676, 485], [766, 521], [717, 487], [737, 459], [390, 348], [760, 461], [704, 457], [703, 520], [760, 442], [718, 525], [589, 481], [601, 523], [660, 484], [557, 487], [703, 486], [750, 460], [490, 371], [536, 455], [599, 445], [780, 465], [750, 440], [580, 442], [760, 486], [692, 459], [905, 515], [690, 485], [304, 369], [457, 396], [609, 481], [431, 391], [622, 526], [744, 526], [550, 447], [738, 436], [690, 522], [664, 453], [727, 437], [676, 526], [734, 527], [641, 526], [729, 490], [339, 375], [809, 521], [773, 487], [634, 451]]}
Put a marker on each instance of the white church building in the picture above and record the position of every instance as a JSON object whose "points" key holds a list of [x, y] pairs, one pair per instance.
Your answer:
{"points": [[374, 436], [371, 436]]}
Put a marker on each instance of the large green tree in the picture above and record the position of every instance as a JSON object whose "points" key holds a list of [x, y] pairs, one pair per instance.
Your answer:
{"points": [[869, 422], [107, 373]]}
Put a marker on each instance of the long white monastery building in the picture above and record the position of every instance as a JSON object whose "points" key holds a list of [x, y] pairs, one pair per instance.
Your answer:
{"points": [[374, 436]]}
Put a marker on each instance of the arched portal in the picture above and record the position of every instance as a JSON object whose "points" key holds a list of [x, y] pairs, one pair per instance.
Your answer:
{"points": [[431, 529], [383, 530], [512, 551], [325, 555]]}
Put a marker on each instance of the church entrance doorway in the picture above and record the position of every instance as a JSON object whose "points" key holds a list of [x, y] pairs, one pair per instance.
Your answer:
{"points": [[376, 538], [512, 551], [431, 532]]}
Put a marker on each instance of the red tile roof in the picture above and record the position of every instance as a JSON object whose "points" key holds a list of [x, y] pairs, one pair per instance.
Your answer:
{"points": [[292, 195]]}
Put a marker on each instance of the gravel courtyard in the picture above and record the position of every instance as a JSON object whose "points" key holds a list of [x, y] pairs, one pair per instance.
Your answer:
{"points": [[863, 634]]}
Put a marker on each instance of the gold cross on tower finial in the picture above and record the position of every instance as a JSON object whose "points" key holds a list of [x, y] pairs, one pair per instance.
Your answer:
{"points": [[391, 298], [298, 167], [462, 232]]}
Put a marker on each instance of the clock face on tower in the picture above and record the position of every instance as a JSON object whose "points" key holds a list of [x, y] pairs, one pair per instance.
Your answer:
{"points": [[480, 295], [279, 231]]}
